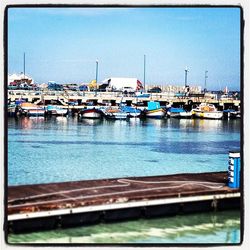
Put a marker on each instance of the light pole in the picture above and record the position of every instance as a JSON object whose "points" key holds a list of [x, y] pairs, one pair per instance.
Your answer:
{"points": [[206, 76], [96, 76], [186, 71], [96, 71]]}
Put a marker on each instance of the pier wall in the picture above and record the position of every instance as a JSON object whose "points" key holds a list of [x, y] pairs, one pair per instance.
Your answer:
{"points": [[114, 98]]}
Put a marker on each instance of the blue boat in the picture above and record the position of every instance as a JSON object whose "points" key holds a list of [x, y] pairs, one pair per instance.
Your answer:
{"points": [[142, 95], [131, 111], [155, 110], [115, 114], [179, 113], [54, 110], [231, 114]]}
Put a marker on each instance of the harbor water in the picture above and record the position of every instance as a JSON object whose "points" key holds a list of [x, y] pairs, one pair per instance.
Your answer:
{"points": [[65, 149], [58, 149]]}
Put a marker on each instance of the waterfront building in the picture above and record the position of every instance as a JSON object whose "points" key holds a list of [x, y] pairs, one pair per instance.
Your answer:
{"points": [[176, 88], [19, 78], [123, 84]]}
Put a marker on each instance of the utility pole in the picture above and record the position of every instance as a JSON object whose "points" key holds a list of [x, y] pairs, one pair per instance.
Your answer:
{"points": [[206, 76], [96, 71], [24, 64]]}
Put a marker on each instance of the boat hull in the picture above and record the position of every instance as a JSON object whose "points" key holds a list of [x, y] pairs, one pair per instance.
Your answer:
{"points": [[61, 112], [208, 115], [230, 114], [92, 114], [180, 114], [35, 112], [54, 110], [30, 109], [156, 113], [134, 115], [11, 110], [117, 116], [131, 111]]}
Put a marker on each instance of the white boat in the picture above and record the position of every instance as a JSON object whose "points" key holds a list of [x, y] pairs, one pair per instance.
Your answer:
{"points": [[207, 111], [54, 110], [31, 109]]}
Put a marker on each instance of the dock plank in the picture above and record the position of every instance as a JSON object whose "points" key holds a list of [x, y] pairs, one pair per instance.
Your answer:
{"points": [[45, 197]]}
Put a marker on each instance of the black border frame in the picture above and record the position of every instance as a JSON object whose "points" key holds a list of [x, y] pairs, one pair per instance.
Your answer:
{"points": [[5, 90]]}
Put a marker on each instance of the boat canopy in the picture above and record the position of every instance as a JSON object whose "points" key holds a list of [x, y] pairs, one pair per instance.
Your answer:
{"points": [[176, 110], [153, 105]]}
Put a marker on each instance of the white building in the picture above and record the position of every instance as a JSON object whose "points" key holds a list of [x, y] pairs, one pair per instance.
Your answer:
{"points": [[117, 83]]}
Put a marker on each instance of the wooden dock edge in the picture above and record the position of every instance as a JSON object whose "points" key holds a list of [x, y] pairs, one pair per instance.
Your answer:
{"points": [[122, 205]]}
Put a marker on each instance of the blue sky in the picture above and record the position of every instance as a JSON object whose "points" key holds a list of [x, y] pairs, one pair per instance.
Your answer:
{"points": [[62, 44]]}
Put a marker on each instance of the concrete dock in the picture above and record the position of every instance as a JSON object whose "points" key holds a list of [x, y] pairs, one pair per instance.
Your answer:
{"points": [[48, 206], [114, 98]]}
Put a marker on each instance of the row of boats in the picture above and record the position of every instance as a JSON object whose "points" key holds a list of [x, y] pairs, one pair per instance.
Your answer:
{"points": [[153, 110]]}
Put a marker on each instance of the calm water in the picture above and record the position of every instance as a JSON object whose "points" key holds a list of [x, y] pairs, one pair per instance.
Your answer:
{"points": [[66, 149], [60, 149]]}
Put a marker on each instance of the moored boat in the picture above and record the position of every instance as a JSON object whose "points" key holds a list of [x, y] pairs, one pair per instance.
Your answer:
{"points": [[179, 113], [154, 110], [30, 109], [142, 95], [11, 109], [116, 114], [230, 114], [92, 113], [55, 110], [207, 111], [131, 111]]}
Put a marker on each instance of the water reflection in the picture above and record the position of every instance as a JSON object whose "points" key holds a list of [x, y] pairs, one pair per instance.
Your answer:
{"points": [[27, 123], [91, 122], [155, 122], [61, 119], [60, 147], [200, 124]]}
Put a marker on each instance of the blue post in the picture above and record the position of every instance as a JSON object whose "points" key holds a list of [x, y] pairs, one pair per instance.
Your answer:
{"points": [[234, 169]]}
